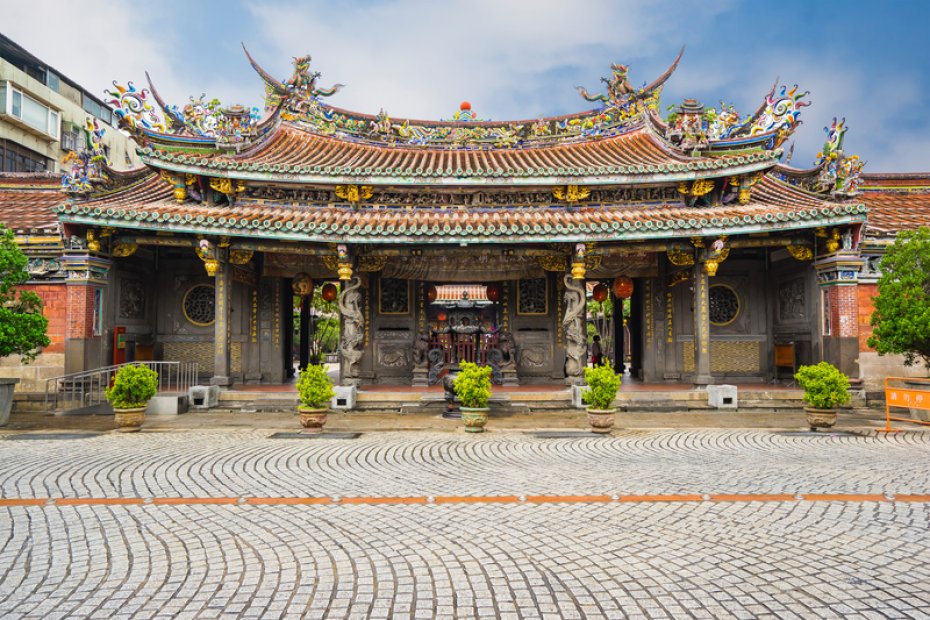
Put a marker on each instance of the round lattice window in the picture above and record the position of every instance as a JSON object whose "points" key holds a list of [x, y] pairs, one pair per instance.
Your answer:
{"points": [[200, 305], [724, 305]]}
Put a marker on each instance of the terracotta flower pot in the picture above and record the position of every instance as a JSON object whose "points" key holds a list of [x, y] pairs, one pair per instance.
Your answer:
{"points": [[601, 420], [820, 418], [129, 420], [474, 418], [312, 419]]}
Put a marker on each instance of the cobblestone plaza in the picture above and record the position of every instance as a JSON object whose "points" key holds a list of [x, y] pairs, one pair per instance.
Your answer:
{"points": [[658, 524]]}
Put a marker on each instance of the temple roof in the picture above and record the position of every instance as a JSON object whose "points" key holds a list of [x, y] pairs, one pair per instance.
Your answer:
{"points": [[291, 154], [27, 200], [896, 202], [149, 204]]}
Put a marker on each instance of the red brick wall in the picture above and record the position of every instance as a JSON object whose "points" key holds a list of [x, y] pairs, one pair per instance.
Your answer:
{"points": [[55, 308], [865, 293], [844, 311], [80, 311]]}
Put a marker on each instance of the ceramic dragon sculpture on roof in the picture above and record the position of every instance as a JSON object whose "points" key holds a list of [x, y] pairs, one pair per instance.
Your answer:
{"points": [[299, 91], [620, 92]]}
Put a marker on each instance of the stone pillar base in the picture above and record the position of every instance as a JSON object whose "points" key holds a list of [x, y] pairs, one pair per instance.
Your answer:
{"points": [[221, 381], [700, 380], [509, 377], [352, 381], [420, 377]]}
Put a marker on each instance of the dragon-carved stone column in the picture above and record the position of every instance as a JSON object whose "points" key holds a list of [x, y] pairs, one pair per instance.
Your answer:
{"points": [[353, 330], [576, 342]]}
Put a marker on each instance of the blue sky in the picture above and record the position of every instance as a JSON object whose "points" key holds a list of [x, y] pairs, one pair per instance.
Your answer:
{"points": [[866, 61]]}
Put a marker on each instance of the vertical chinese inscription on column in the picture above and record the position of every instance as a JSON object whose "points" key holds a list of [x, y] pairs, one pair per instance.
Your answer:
{"points": [[221, 313], [702, 287], [253, 318], [648, 311], [421, 308], [366, 308], [276, 330], [669, 330], [505, 305], [560, 290]]}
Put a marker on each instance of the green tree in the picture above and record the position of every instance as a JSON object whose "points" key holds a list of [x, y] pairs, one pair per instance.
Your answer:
{"points": [[22, 325], [901, 319]]}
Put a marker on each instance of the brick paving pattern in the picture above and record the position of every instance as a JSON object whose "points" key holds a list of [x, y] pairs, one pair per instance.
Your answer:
{"points": [[161, 555]]}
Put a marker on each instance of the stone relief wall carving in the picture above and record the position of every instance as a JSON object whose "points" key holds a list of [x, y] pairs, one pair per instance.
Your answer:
{"points": [[531, 296], [792, 302], [131, 299]]}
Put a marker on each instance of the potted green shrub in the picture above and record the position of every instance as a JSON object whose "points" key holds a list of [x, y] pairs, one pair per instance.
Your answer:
{"points": [[600, 394], [133, 386], [473, 387], [315, 391], [825, 389]]}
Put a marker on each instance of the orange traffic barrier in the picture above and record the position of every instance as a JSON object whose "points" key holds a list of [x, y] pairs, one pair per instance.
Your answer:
{"points": [[907, 397]]}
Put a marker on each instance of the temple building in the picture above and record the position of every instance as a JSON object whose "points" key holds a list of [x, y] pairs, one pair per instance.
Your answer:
{"points": [[739, 267]]}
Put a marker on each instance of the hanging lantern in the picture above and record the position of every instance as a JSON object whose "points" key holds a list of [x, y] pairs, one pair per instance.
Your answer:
{"points": [[441, 317], [329, 292], [431, 294], [623, 287], [600, 293], [302, 285], [493, 292]]}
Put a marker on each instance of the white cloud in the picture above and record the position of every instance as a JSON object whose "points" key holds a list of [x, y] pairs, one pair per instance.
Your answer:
{"points": [[419, 59], [510, 58], [92, 42]]}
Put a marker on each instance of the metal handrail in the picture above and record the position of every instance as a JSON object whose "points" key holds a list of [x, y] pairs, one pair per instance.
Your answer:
{"points": [[87, 388]]}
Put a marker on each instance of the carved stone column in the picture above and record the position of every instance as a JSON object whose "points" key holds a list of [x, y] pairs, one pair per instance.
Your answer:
{"points": [[222, 291], [353, 330], [699, 278], [576, 341]]}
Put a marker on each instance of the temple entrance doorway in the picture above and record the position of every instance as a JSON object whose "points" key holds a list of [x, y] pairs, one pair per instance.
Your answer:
{"points": [[464, 322]]}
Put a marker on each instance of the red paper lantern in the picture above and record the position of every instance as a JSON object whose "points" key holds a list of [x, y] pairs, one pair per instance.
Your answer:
{"points": [[599, 293], [623, 287], [493, 292], [431, 294], [329, 292], [442, 317]]}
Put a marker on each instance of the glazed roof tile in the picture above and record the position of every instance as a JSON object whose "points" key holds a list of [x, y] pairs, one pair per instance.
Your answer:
{"points": [[27, 200], [294, 154], [891, 211], [149, 204]]}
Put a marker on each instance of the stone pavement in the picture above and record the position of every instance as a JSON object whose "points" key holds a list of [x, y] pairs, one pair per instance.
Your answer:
{"points": [[652, 524]]}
